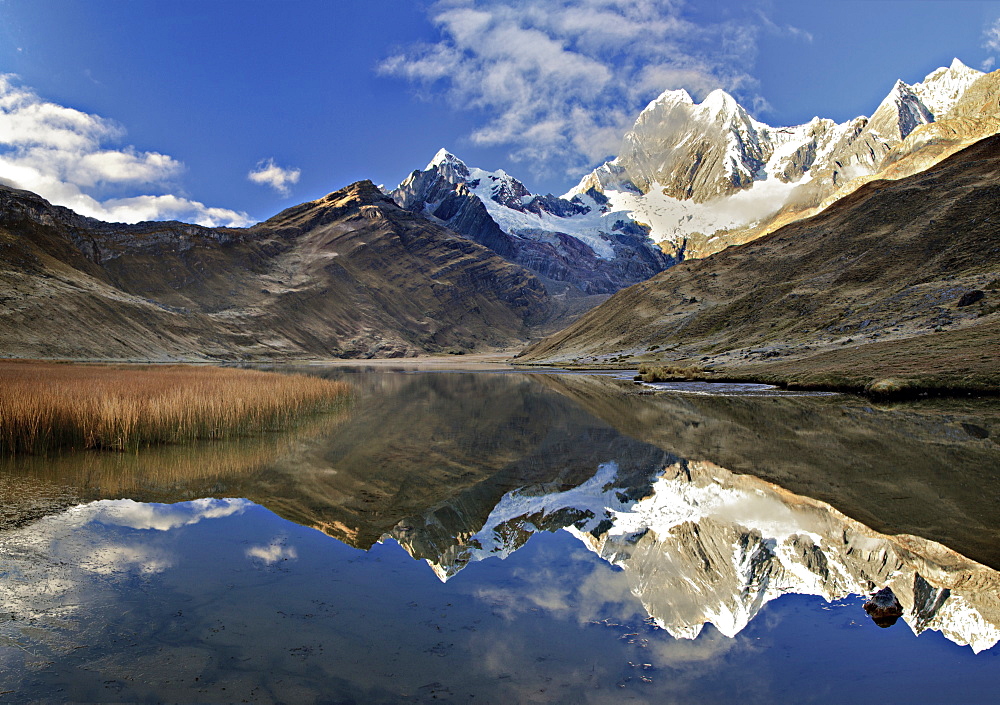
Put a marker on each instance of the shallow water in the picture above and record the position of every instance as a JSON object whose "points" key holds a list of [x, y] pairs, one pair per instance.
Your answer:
{"points": [[731, 389], [575, 542]]}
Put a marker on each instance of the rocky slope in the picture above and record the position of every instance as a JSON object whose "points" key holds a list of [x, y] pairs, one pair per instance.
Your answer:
{"points": [[706, 176], [907, 267], [576, 242], [350, 275]]}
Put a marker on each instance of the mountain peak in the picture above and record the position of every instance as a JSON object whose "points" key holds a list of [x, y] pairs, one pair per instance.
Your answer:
{"points": [[670, 97], [443, 156], [942, 87], [449, 166], [900, 113], [718, 96]]}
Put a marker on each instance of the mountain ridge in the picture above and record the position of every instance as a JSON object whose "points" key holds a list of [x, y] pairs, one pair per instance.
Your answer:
{"points": [[705, 176], [348, 275], [575, 241]]}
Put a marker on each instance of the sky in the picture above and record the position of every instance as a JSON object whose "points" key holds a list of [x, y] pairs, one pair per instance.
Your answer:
{"points": [[225, 112]]}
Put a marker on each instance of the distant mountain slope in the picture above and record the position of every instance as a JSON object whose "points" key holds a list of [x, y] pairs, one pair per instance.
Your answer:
{"points": [[578, 242], [706, 176], [351, 274], [894, 261]]}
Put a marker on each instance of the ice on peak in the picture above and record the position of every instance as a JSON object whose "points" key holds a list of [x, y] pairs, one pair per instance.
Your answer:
{"points": [[718, 96], [443, 156], [943, 87], [956, 69], [670, 96], [901, 93], [719, 101]]}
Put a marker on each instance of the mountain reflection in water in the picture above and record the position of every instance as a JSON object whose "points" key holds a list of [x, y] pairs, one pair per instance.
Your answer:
{"points": [[707, 546], [706, 509]]}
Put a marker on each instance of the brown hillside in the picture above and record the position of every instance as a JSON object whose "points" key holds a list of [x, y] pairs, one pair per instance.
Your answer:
{"points": [[347, 275], [891, 261]]}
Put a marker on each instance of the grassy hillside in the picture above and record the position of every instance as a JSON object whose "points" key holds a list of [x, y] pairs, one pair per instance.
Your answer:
{"points": [[915, 262]]}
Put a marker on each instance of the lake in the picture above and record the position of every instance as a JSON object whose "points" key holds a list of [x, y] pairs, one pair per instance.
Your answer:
{"points": [[499, 537]]}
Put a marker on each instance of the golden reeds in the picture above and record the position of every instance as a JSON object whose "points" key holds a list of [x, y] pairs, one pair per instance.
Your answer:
{"points": [[48, 406]]}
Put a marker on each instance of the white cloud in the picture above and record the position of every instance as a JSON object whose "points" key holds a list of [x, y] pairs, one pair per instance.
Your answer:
{"points": [[64, 155], [273, 552], [991, 42], [560, 81], [162, 517], [991, 36], [270, 174]]}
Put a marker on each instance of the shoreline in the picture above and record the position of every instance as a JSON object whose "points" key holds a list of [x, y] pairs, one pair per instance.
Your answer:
{"points": [[879, 387]]}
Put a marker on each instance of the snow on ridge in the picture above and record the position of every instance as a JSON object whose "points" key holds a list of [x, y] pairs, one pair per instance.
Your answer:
{"points": [[943, 87], [907, 106], [443, 156], [669, 96]]}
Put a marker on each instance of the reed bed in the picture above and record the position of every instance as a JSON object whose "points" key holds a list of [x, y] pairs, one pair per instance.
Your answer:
{"points": [[48, 406]]}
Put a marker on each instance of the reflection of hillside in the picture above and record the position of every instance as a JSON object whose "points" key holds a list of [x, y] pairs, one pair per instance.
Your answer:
{"points": [[408, 444], [928, 469], [457, 442], [428, 456]]}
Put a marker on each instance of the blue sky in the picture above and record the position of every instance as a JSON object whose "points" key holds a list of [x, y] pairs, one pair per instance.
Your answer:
{"points": [[149, 109]]}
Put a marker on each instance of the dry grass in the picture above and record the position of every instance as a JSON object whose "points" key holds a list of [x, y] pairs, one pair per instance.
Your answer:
{"points": [[48, 406], [671, 373], [962, 361]]}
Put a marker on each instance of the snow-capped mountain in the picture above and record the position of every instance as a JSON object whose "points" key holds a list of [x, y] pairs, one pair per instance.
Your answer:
{"points": [[693, 171], [694, 177], [943, 87], [702, 545], [578, 240]]}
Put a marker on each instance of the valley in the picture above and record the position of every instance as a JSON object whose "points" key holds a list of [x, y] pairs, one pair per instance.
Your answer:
{"points": [[855, 256]]}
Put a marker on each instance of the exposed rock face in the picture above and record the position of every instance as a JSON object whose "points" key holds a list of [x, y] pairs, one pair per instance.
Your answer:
{"points": [[882, 266], [706, 176], [574, 241], [696, 151], [351, 274]]}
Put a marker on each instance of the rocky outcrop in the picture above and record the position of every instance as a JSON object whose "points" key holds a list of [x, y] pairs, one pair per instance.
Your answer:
{"points": [[883, 608]]}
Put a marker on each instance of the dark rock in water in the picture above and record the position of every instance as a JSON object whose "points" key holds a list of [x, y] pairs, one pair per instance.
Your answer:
{"points": [[971, 297], [884, 608]]}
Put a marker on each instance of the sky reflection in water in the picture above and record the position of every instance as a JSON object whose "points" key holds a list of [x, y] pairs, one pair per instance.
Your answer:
{"points": [[215, 600]]}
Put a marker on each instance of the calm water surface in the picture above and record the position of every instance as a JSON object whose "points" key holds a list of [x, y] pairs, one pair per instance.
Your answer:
{"points": [[498, 538]]}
